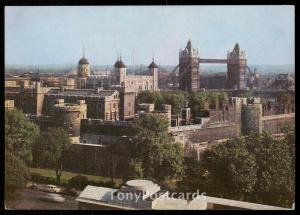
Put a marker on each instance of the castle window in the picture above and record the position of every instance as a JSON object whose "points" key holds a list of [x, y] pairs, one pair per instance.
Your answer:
{"points": [[114, 105], [129, 104]]}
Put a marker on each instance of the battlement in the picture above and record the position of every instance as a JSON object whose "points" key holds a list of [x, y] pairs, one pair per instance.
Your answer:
{"points": [[61, 106]]}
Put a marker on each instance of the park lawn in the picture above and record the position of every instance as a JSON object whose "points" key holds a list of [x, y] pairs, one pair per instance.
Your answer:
{"points": [[65, 176]]}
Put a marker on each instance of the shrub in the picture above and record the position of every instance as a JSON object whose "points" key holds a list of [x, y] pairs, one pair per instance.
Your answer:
{"points": [[79, 182]]}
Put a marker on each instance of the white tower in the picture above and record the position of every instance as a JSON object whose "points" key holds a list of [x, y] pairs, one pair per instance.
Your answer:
{"points": [[153, 70], [120, 71]]}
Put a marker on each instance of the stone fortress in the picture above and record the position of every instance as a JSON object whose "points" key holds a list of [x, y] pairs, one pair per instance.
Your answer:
{"points": [[97, 108]]}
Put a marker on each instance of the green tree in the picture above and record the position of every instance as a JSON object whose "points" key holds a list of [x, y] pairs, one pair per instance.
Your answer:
{"points": [[255, 168], [78, 181], [176, 99], [223, 97], [153, 97], [213, 99], [20, 135], [150, 127], [136, 170], [53, 143], [275, 175], [160, 158], [231, 170], [197, 101]]}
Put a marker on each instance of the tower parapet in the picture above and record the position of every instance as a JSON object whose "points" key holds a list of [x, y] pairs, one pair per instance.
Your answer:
{"points": [[69, 115]]}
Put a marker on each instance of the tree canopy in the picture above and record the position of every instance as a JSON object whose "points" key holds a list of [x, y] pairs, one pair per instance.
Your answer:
{"points": [[52, 144], [154, 156], [255, 168], [20, 134]]}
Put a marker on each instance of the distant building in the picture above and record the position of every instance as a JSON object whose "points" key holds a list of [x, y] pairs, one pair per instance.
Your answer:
{"points": [[101, 104]]}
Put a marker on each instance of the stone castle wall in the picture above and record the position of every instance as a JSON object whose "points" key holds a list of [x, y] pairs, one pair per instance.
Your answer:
{"points": [[274, 123]]}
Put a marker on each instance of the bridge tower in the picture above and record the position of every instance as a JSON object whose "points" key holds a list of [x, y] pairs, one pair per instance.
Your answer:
{"points": [[236, 68], [189, 69]]}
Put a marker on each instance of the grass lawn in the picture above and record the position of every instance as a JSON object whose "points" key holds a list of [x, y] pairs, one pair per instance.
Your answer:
{"points": [[65, 176]]}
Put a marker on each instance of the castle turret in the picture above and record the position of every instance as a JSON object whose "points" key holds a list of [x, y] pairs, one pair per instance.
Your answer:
{"points": [[120, 71], [236, 68], [252, 116], [153, 70], [69, 115]]}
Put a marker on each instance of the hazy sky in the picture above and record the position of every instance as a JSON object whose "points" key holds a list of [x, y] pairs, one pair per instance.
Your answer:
{"points": [[56, 35]]}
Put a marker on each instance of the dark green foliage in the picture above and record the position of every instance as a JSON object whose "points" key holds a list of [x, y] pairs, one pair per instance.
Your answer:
{"points": [[78, 182], [51, 145], [256, 168], [151, 127], [174, 98], [275, 175], [154, 157], [153, 97], [231, 170], [136, 169], [20, 135]]}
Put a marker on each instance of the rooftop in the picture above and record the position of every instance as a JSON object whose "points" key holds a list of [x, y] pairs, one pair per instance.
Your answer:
{"points": [[82, 92]]}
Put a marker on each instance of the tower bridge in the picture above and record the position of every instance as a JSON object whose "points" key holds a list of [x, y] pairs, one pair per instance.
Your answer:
{"points": [[189, 69]]}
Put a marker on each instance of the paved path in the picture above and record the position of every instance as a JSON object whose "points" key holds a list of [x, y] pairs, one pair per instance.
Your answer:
{"points": [[31, 199]]}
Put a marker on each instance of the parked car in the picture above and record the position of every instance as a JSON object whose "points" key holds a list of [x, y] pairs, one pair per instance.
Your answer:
{"points": [[53, 188]]}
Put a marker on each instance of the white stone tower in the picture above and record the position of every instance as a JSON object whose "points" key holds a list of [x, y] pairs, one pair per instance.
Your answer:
{"points": [[120, 71], [83, 72], [153, 70]]}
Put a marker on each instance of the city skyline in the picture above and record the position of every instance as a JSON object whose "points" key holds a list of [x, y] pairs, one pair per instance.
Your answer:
{"points": [[57, 35]]}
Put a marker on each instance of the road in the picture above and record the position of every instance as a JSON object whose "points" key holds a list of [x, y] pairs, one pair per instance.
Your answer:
{"points": [[31, 199]]}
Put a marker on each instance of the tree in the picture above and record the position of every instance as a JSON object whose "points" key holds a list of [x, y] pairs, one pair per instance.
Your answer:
{"points": [[231, 170], [275, 175], [153, 97], [176, 99], [20, 135], [255, 168], [54, 142], [197, 101], [153, 148], [136, 170], [78, 181], [213, 99], [150, 127]]}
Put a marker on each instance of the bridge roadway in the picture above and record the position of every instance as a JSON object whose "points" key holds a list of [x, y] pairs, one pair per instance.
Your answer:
{"points": [[224, 61]]}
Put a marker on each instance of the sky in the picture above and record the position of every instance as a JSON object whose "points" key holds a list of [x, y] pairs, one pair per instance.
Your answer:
{"points": [[57, 34]]}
